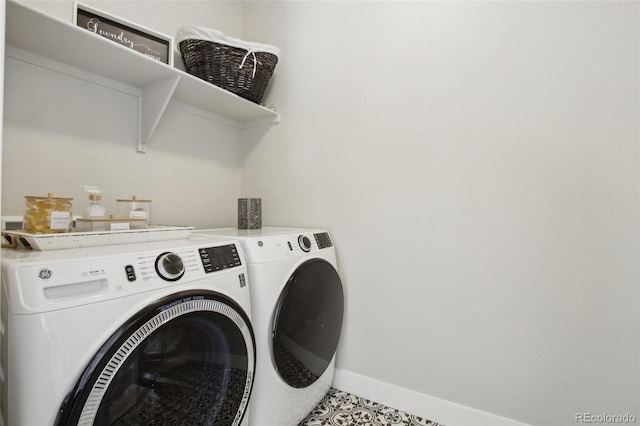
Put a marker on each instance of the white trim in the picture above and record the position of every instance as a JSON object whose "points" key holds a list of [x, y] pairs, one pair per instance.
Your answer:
{"points": [[426, 406]]}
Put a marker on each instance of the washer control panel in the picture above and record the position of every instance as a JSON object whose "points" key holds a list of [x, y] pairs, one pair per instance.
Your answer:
{"points": [[174, 265], [169, 266], [53, 281], [219, 257]]}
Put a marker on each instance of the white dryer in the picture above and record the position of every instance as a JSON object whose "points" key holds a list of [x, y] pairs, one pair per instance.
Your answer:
{"points": [[297, 307], [147, 333]]}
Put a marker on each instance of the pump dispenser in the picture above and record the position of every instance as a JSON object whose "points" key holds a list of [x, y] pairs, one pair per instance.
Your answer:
{"points": [[95, 209]]}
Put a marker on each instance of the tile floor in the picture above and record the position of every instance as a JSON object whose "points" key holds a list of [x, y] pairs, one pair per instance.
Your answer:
{"points": [[339, 408]]}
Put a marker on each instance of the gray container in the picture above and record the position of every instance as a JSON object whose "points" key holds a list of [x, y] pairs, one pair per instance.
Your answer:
{"points": [[249, 213]]}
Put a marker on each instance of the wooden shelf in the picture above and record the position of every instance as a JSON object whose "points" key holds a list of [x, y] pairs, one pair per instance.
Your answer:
{"points": [[43, 35]]}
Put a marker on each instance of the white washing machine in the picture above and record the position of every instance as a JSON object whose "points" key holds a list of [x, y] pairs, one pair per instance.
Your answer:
{"points": [[146, 333], [297, 307]]}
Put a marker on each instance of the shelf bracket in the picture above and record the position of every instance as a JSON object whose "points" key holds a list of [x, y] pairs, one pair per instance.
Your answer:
{"points": [[152, 103]]}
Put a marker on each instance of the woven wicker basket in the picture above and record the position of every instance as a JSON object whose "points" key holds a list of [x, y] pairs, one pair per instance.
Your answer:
{"points": [[243, 68]]}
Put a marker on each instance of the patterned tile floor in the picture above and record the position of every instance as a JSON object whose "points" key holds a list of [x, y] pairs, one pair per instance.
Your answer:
{"points": [[339, 408]]}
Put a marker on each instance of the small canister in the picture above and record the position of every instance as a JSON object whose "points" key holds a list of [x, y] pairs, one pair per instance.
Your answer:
{"points": [[249, 213], [134, 209], [48, 215]]}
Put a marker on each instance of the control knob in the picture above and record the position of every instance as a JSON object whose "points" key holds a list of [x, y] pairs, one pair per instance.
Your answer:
{"points": [[169, 266], [304, 243]]}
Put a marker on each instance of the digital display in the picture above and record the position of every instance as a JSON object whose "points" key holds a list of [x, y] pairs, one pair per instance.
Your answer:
{"points": [[219, 258], [323, 240]]}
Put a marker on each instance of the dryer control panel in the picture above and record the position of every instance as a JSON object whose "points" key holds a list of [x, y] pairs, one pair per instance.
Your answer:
{"points": [[323, 240], [268, 248]]}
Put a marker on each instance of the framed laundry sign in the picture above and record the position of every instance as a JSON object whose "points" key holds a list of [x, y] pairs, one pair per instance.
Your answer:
{"points": [[143, 40]]}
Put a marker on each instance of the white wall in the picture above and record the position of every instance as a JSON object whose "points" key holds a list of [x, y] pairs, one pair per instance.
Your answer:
{"points": [[164, 16], [477, 165], [62, 132]]}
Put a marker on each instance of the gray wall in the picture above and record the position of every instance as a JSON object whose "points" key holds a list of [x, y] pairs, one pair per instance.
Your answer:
{"points": [[477, 164]]}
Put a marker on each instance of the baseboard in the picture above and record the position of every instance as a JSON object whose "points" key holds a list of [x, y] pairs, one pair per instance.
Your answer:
{"points": [[428, 407]]}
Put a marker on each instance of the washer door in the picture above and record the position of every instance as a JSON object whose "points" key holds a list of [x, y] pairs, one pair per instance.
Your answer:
{"points": [[188, 359], [307, 323]]}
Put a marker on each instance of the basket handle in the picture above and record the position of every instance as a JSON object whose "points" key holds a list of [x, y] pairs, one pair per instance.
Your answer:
{"points": [[255, 62]]}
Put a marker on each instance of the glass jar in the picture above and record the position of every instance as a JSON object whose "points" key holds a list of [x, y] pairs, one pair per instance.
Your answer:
{"points": [[134, 209], [48, 215]]}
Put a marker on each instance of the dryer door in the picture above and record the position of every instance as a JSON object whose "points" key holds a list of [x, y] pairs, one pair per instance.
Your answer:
{"points": [[307, 323], [188, 359]]}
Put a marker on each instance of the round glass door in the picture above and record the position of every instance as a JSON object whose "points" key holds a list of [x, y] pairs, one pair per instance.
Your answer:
{"points": [[188, 359], [307, 323]]}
